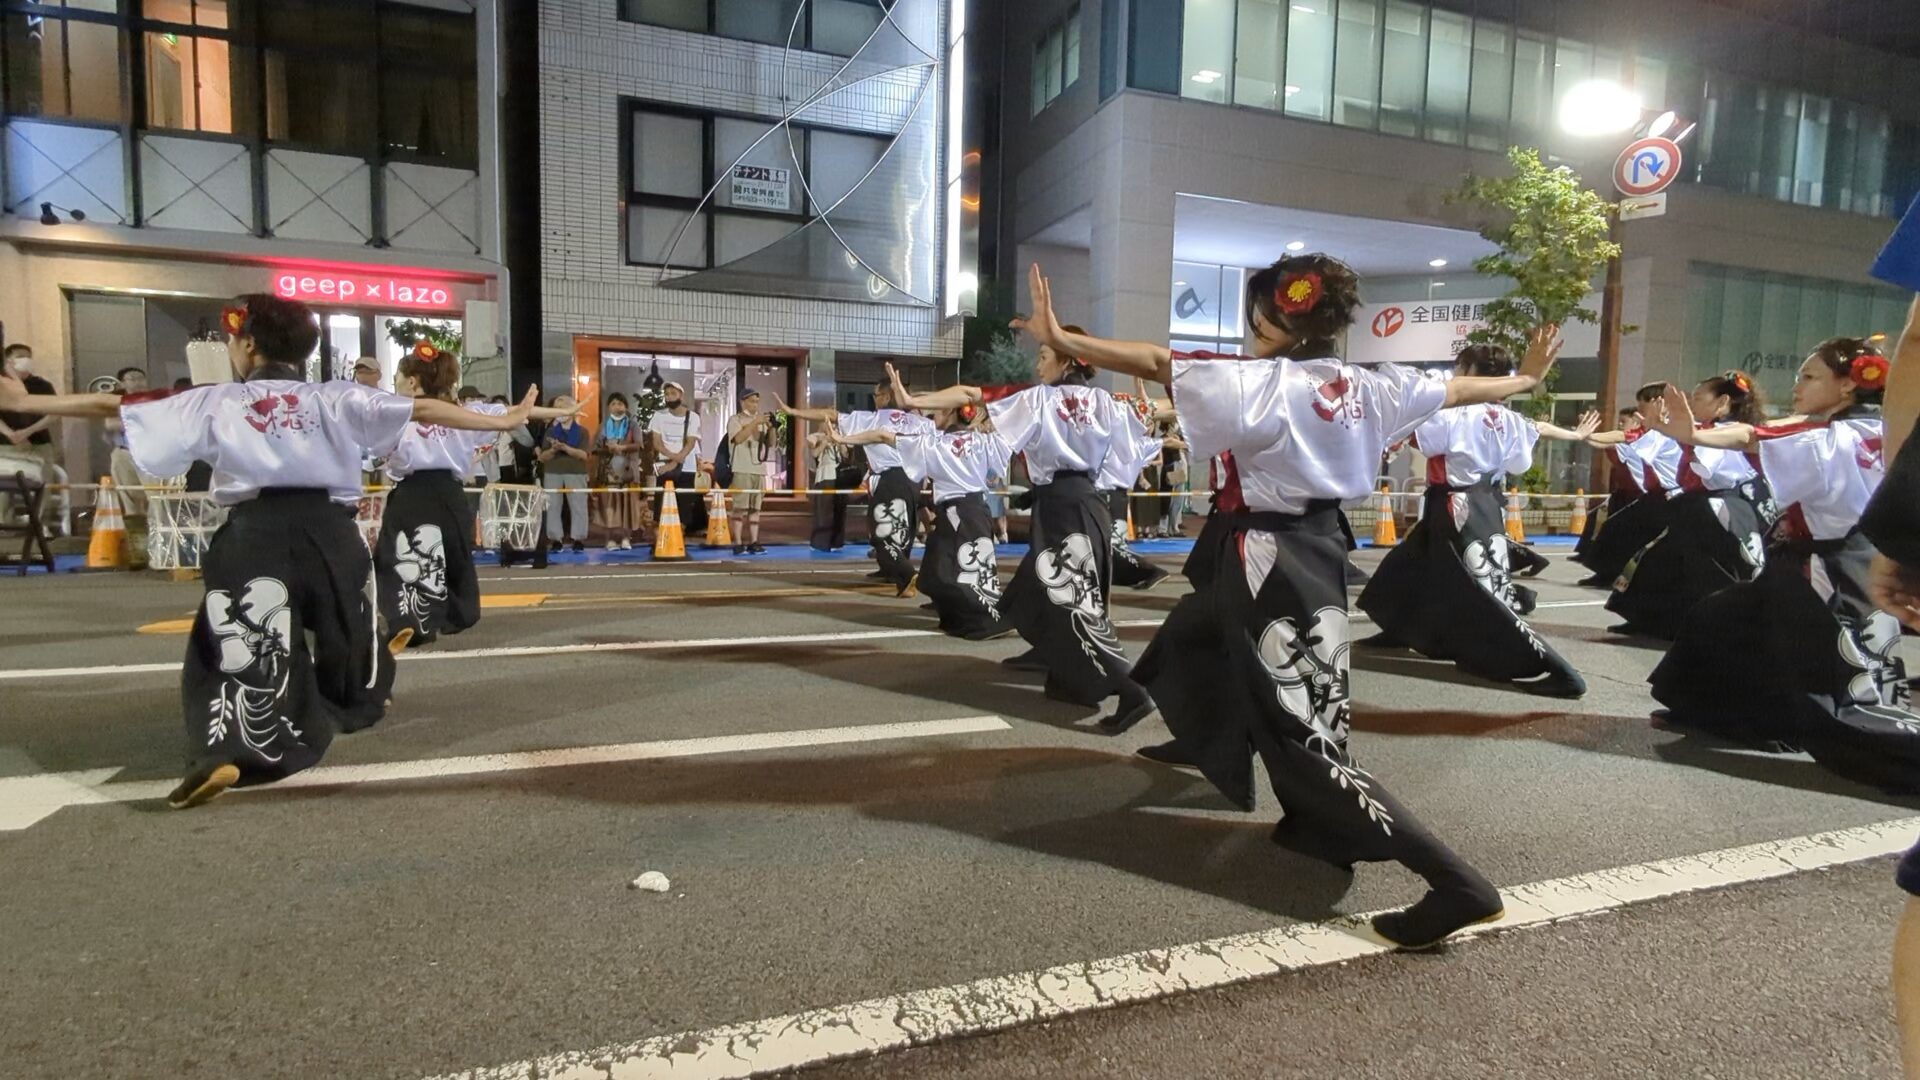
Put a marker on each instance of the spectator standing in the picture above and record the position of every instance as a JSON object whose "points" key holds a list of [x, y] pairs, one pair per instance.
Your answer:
{"points": [[563, 459], [835, 467], [366, 372], [126, 476], [675, 434], [749, 434], [618, 447]]}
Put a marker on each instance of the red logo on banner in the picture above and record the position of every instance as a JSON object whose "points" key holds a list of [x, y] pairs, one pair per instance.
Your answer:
{"points": [[1389, 322]]}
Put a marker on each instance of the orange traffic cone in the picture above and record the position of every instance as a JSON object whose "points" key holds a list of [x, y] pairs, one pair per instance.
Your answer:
{"points": [[1516, 531], [107, 548], [1577, 521], [1385, 532], [1131, 535], [719, 531], [669, 540]]}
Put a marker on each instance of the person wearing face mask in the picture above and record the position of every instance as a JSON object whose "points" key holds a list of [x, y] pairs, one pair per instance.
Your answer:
{"points": [[1057, 599], [26, 440], [618, 445], [284, 653], [1256, 659], [423, 560], [1800, 657], [564, 453], [675, 434]]}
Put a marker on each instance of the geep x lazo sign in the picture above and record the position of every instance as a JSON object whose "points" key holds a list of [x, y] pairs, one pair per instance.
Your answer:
{"points": [[375, 290], [1646, 166]]}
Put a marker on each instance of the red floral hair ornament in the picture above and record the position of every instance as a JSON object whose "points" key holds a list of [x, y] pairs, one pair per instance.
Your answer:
{"points": [[969, 412], [1742, 383], [425, 351], [1868, 370], [234, 319], [1298, 294]]}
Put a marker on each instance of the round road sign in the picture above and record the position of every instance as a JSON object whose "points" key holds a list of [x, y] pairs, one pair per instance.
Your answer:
{"points": [[1647, 166]]}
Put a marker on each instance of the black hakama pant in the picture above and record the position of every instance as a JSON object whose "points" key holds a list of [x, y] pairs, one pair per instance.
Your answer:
{"points": [[284, 653], [424, 559], [1597, 520], [959, 570], [1238, 672], [1633, 527], [1129, 569], [1447, 591], [1799, 658], [1058, 596], [892, 508], [1713, 539]]}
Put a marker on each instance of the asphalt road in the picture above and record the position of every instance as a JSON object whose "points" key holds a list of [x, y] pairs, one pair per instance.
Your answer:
{"points": [[413, 927]]}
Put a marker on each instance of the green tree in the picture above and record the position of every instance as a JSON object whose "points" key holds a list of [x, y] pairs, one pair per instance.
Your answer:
{"points": [[407, 333], [991, 353], [1552, 238]]}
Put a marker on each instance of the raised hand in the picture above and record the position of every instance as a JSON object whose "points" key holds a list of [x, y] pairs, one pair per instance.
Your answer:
{"points": [[1543, 347], [1589, 423], [1676, 418], [1042, 324]]}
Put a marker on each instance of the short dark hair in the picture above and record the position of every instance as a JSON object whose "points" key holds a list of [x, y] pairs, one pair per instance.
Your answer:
{"points": [[126, 371], [617, 396], [18, 347], [1485, 361], [1653, 391], [470, 393], [284, 331]]}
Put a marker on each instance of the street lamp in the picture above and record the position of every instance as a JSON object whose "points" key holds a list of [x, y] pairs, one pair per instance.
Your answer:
{"points": [[1599, 107]]}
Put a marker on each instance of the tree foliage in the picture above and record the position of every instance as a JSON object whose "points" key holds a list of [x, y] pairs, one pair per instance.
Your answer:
{"points": [[407, 333], [991, 353], [1552, 237]]}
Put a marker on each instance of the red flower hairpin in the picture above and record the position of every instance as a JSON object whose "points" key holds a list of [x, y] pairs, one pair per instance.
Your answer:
{"points": [[234, 319], [1299, 293], [969, 411], [1742, 383], [1869, 370], [426, 351]]}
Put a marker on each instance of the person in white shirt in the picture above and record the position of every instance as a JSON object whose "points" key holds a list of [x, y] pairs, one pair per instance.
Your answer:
{"points": [[1256, 659], [891, 495], [1447, 589], [1653, 461], [1066, 428], [1800, 658], [749, 446], [126, 477], [677, 456], [283, 653]]}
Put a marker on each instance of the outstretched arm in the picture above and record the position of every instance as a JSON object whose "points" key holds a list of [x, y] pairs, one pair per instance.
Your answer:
{"points": [[818, 416], [1139, 358], [1542, 349], [1589, 423], [951, 398], [14, 398], [865, 438], [461, 418]]}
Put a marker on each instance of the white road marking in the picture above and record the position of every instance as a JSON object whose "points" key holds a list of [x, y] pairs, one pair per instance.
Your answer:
{"points": [[825, 637], [25, 800], [761, 1047], [659, 574]]}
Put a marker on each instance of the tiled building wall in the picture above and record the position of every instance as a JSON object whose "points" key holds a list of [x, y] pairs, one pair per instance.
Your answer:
{"points": [[590, 61]]}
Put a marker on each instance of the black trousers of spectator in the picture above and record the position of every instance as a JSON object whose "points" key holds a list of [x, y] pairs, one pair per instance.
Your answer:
{"points": [[830, 511], [693, 506]]}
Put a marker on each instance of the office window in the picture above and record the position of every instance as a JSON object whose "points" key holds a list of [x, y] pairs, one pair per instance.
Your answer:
{"points": [[1449, 60], [1403, 69], [1206, 55], [734, 143], [669, 155], [1810, 150], [58, 68], [837, 161], [770, 22], [1310, 32], [1056, 60], [1764, 323], [1356, 72], [1072, 59], [318, 59], [676, 14], [1259, 53], [1532, 88], [1779, 130], [842, 26], [839, 27], [1491, 88], [429, 86]]}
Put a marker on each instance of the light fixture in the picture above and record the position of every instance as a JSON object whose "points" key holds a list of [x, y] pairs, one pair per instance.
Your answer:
{"points": [[1179, 284], [1207, 75], [1292, 90], [1303, 8], [584, 379], [967, 281], [1297, 245], [1439, 284], [1662, 124], [1599, 107], [1436, 263], [48, 216]]}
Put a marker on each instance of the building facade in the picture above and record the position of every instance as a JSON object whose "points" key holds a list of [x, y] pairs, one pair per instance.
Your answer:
{"points": [[164, 156], [1166, 143], [758, 194]]}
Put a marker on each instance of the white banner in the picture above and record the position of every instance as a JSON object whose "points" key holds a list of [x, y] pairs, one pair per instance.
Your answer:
{"points": [[758, 187], [1432, 331]]}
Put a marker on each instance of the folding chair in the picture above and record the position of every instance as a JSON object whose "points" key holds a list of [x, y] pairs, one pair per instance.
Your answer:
{"points": [[32, 496]]}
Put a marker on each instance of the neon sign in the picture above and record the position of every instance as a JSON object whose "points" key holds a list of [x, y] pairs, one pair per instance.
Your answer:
{"points": [[319, 287]]}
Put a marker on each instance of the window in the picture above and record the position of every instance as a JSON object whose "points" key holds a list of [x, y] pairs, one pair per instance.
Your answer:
{"points": [[1356, 73], [1403, 80], [1309, 86], [1259, 53], [319, 74], [675, 157], [1532, 88], [63, 68], [429, 86], [840, 27], [1206, 51], [1056, 60], [1449, 59], [1763, 323], [1491, 89]]}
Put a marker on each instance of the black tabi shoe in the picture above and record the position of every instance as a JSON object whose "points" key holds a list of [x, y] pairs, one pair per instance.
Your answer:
{"points": [[1127, 713], [1310, 844], [1439, 915], [993, 634], [1626, 629], [756, 548], [1026, 661], [1159, 575], [578, 547], [877, 575], [1556, 685], [1594, 581], [1170, 754], [1382, 640], [203, 787], [928, 606]]}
